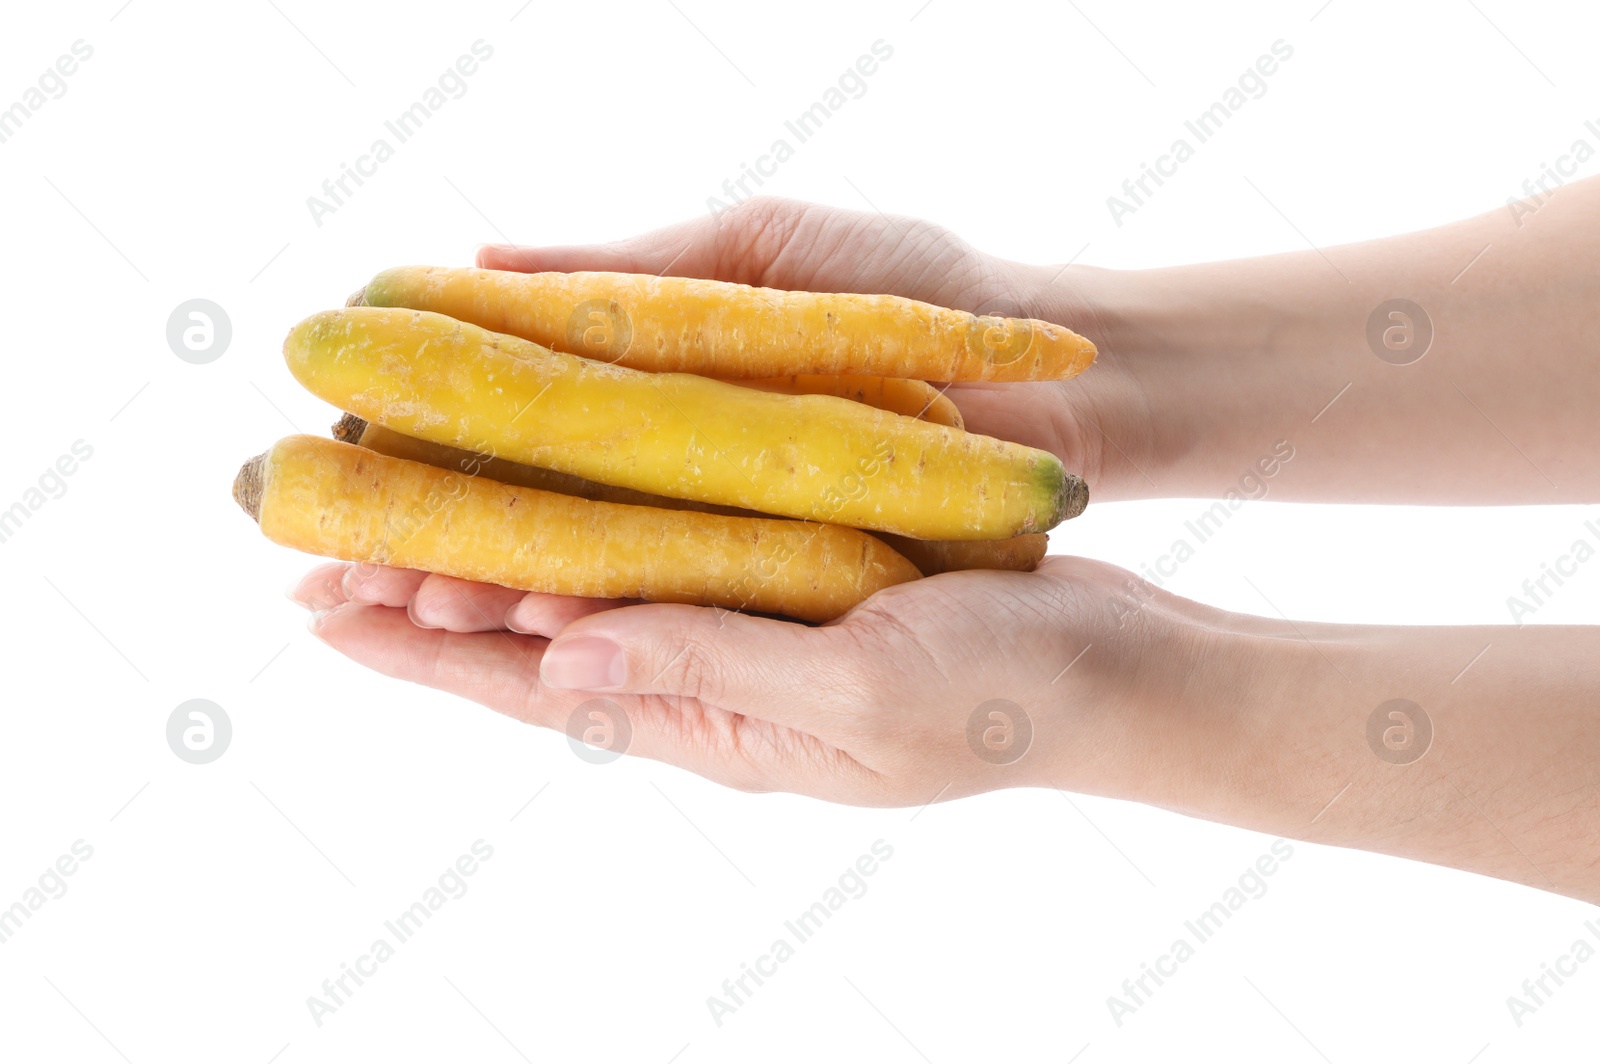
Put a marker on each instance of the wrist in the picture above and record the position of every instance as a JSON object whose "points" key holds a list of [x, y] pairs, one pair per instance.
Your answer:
{"points": [[1216, 731], [1173, 702], [1222, 365]]}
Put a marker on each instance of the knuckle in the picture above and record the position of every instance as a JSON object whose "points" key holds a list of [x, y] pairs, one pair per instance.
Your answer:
{"points": [[755, 232], [690, 671]]}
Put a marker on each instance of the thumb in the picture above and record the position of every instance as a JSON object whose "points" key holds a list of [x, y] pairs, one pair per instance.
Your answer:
{"points": [[752, 665]]}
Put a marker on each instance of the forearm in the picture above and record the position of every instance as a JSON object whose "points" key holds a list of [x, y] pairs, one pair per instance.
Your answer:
{"points": [[1309, 741], [1226, 359]]}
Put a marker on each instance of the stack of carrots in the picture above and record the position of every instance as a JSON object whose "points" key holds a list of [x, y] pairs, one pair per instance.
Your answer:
{"points": [[675, 440]]}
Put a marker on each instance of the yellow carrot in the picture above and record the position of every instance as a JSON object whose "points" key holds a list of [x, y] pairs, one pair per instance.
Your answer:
{"points": [[807, 456], [717, 329], [1018, 554], [352, 429], [343, 501]]}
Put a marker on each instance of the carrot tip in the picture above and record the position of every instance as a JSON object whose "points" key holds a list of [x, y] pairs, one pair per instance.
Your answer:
{"points": [[349, 428], [1074, 497], [247, 486]]}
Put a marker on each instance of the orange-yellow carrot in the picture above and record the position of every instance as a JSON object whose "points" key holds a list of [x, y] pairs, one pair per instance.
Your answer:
{"points": [[813, 457], [1020, 554], [717, 329], [895, 394], [343, 501]]}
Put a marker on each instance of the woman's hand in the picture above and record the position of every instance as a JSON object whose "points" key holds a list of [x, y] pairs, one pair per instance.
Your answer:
{"points": [[1071, 676], [1077, 676]]}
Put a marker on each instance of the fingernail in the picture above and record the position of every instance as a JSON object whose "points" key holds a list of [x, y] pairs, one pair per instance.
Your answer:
{"points": [[314, 622], [411, 612], [525, 621], [313, 594], [583, 663]]}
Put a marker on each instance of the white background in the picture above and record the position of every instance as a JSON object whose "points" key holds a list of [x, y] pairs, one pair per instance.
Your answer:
{"points": [[177, 165]]}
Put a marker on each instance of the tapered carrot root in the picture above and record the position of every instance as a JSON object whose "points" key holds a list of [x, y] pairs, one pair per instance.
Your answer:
{"points": [[1018, 554], [342, 501], [717, 329], [897, 395], [809, 456]]}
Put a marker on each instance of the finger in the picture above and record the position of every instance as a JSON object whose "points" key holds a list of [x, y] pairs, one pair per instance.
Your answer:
{"points": [[380, 585], [546, 615], [1023, 412], [772, 669], [695, 248], [321, 588], [461, 605], [500, 670], [496, 669], [741, 245], [779, 243], [683, 248]]}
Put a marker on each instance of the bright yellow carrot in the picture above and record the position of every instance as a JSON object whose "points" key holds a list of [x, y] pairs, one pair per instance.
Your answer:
{"points": [[897, 395], [342, 501], [808, 456], [717, 329], [1019, 553], [352, 429]]}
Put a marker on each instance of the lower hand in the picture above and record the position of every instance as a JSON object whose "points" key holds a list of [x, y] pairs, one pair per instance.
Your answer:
{"points": [[961, 683]]}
